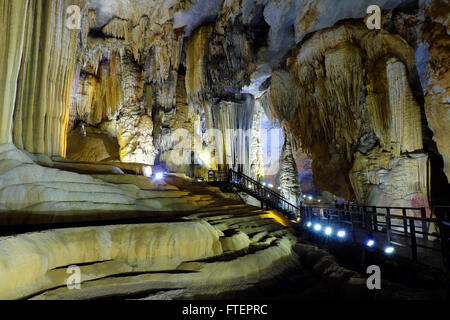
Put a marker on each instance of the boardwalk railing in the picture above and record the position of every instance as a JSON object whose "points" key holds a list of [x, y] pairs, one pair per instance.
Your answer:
{"points": [[415, 229], [266, 196], [397, 223]]}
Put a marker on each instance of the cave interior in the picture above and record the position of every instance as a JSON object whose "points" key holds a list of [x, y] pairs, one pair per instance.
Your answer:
{"points": [[114, 113]]}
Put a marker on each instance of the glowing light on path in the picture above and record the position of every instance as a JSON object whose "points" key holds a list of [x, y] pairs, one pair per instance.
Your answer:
{"points": [[158, 176], [389, 250], [341, 234]]}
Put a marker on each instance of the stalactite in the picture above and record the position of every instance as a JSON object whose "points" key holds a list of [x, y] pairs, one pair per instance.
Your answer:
{"points": [[377, 102], [99, 97], [118, 28], [196, 59], [45, 80], [175, 142], [220, 58], [127, 73], [234, 122], [135, 129], [14, 16], [341, 87], [161, 78], [406, 126]]}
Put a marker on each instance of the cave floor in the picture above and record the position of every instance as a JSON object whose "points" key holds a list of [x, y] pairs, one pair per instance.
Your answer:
{"points": [[177, 239]]}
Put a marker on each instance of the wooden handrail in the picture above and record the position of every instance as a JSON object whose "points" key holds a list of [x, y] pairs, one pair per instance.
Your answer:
{"points": [[346, 213], [266, 195]]}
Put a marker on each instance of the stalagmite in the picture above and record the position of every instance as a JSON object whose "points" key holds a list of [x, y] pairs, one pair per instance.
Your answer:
{"points": [[256, 152], [289, 180]]}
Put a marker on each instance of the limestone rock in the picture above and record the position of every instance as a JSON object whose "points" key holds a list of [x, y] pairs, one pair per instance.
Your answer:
{"points": [[235, 242], [335, 112], [39, 79], [289, 179], [94, 147], [34, 261], [435, 76], [46, 193]]}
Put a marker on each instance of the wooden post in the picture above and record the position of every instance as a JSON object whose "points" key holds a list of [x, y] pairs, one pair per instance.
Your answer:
{"points": [[423, 214], [405, 222], [353, 227], [388, 225], [412, 227], [444, 244], [369, 222], [375, 219]]}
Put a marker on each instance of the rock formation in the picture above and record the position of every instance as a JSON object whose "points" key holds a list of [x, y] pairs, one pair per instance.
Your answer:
{"points": [[289, 178], [88, 115], [38, 83]]}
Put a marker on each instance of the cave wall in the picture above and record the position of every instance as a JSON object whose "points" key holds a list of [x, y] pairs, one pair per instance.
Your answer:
{"points": [[346, 96], [162, 78], [433, 60], [13, 21], [38, 69], [219, 60], [127, 73]]}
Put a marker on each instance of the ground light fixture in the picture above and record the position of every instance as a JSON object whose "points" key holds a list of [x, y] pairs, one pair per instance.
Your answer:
{"points": [[389, 250], [309, 224], [317, 227], [310, 198], [370, 243], [341, 234], [328, 231], [158, 176]]}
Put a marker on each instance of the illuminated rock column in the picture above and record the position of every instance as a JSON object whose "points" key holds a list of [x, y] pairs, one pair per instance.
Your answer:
{"points": [[45, 79], [13, 18]]}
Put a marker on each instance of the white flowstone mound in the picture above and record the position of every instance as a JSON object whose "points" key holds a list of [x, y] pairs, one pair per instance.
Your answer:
{"points": [[33, 262], [128, 259], [28, 187]]}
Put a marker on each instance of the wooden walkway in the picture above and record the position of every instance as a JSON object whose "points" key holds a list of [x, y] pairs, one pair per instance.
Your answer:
{"points": [[408, 230]]}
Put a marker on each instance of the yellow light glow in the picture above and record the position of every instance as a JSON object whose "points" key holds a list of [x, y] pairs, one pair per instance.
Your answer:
{"points": [[277, 217]]}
